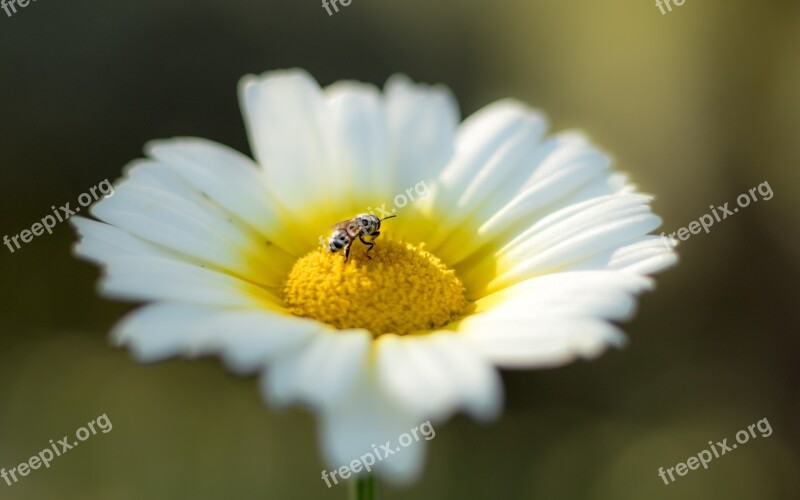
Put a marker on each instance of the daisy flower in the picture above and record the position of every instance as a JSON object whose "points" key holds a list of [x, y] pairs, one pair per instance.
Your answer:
{"points": [[511, 249]]}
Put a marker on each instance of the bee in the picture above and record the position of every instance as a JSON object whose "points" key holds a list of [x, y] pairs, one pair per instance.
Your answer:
{"points": [[345, 232]]}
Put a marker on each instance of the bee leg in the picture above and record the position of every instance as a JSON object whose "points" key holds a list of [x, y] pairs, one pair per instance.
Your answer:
{"points": [[368, 243], [347, 252]]}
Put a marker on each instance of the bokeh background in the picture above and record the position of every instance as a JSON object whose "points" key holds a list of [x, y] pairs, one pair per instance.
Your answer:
{"points": [[698, 105]]}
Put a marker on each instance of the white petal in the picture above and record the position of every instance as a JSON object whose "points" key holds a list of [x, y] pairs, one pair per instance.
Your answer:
{"points": [[290, 132], [250, 339], [160, 331], [413, 375], [321, 372], [422, 123], [593, 294], [648, 255], [570, 236], [494, 147], [100, 242], [228, 177], [437, 374], [365, 421], [246, 339], [147, 278], [361, 152], [566, 165], [511, 343], [535, 179], [138, 270], [155, 205], [553, 319]]}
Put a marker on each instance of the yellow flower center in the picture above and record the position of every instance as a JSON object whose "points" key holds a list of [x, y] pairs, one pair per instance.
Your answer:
{"points": [[402, 289]]}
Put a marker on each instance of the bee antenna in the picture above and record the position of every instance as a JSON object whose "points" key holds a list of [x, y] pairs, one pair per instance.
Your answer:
{"points": [[389, 217]]}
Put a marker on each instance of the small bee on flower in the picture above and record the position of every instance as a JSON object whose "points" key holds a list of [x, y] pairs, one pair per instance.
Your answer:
{"points": [[345, 232]]}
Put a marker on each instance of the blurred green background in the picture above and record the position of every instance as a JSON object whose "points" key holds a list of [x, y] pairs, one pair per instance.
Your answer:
{"points": [[698, 106]]}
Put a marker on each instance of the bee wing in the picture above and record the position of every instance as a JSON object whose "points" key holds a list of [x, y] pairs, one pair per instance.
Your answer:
{"points": [[349, 225], [340, 225]]}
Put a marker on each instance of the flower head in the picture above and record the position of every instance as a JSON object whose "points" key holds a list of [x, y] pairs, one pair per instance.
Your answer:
{"points": [[510, 249]]}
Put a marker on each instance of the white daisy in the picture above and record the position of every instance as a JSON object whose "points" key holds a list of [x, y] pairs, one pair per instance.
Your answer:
{"points": [[524, 250]]}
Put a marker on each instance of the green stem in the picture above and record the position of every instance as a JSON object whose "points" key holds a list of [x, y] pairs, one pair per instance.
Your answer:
{"points": [[364, 488]]}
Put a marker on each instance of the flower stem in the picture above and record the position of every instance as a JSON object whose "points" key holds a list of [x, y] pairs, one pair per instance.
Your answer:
{"points": [[364, 488]]}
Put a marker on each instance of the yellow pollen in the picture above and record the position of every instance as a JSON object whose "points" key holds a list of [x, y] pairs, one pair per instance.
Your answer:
{"points": [[402, 289]]}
